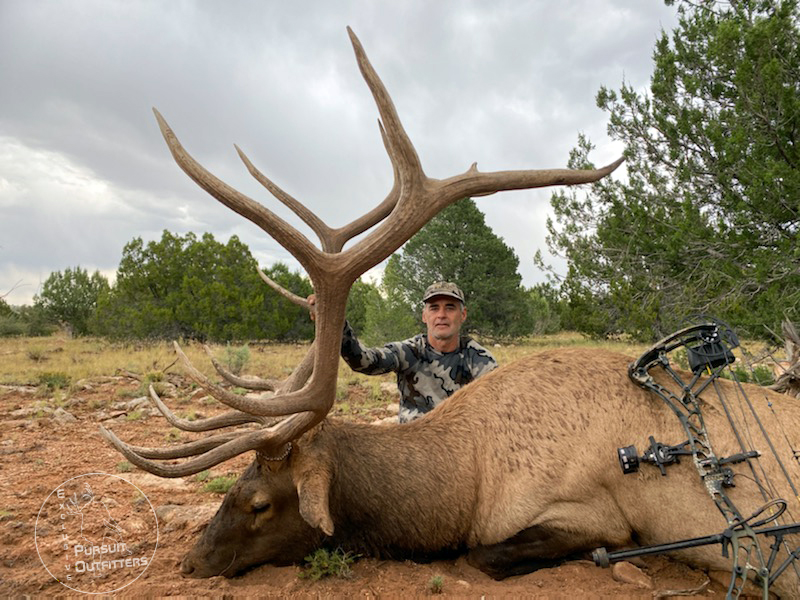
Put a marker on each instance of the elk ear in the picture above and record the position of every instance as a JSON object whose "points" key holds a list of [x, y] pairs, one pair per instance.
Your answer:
{"points": [[312, 489], [312, 471]]}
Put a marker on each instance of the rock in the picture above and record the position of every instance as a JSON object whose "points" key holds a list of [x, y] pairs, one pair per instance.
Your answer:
{"points": [[30, 411], [83, 385], [625, 572], [62, 417], [135, 525], [106, 416], [140, 403], [153, 482]]}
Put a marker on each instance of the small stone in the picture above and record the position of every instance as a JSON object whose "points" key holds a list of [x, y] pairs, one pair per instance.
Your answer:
{"points": [[62, 417], [625, 572]]}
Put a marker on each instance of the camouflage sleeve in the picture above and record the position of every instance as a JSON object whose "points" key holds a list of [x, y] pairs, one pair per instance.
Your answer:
{"points": [[370, 361], [482, 360]]}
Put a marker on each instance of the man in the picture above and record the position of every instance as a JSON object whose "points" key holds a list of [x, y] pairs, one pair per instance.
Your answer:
{"points": [[430, 367]]}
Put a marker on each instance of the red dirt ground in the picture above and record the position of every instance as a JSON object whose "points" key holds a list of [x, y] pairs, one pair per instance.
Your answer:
{"points": [[38, 453]]}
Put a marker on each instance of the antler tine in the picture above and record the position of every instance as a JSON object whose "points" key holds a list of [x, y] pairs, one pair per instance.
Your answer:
{"points": [[301, 372], [277, 406], [291, 297], [331, 239], [325, 233], [291, 239], [227, 419], [250, 383], [241, 442], [186, 449], [402, 150]]}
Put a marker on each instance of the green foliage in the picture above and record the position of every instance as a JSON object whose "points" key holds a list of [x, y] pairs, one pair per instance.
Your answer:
{"points": [[545, 308], [5, 309], [185, 287], [436, 584], [220, 485], [282, 320], [362, 294], [71, 297], [759, 374], [236, 358], [134, 415], [458, 246], [708, 219], [327, 563], [53, 380], [387, 319], [36, 320], [11, 326], [124, 467]]}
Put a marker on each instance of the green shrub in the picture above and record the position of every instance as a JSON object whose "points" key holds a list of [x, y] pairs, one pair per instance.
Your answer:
{"points": [[762, 375], [54, 380], [135, 415], [237, 358], [436, 584], [327, 563], [220, 485], [11, 327]]}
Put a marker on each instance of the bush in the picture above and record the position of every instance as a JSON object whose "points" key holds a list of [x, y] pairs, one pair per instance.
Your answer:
{"points": [[237, 358], [11, 326], [327, 563], [53, 380]]}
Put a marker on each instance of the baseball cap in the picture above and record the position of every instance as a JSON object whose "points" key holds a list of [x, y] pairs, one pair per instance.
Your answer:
{"points": [[444, 288]]}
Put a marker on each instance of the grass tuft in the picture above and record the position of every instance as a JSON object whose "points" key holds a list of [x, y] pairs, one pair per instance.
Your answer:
{"points": [[53, 380], [220, 485], [327, 563]]}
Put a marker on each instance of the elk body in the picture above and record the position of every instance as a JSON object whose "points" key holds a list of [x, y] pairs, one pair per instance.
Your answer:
{"points": [[519, 468]]}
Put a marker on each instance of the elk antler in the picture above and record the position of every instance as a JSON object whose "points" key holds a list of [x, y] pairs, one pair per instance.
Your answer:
{"points": [[412, 202]]}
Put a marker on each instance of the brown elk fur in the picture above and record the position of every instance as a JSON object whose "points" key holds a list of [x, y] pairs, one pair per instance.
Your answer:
{"points": [[529, 450]]}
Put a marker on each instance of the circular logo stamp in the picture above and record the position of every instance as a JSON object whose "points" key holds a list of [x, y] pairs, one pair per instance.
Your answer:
{"points": [[96, 533]]}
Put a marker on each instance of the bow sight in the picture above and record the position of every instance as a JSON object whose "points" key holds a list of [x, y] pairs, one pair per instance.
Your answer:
{"points": [[709, 351]]}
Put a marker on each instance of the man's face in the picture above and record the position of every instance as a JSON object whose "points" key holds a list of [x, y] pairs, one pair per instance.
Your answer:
{"points": [[443, 316]]}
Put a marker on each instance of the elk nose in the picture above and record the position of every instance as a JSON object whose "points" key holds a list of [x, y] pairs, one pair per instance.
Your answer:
{"points": [[187, 568]]}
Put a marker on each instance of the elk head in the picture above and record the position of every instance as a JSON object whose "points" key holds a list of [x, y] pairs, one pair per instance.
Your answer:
{"points": [[278, 510]]}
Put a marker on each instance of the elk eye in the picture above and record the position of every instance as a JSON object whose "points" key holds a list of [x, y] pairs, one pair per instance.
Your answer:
{"points": [[261, 506]]}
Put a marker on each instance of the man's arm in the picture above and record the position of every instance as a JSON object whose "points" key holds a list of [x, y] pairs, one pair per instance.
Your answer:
{"points": [[370, 361]]}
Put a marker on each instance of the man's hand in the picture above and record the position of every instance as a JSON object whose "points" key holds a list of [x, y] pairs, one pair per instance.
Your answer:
{"points": [[312, 310]]}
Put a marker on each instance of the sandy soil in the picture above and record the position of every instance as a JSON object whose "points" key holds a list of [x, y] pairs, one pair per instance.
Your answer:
{"points": [[41, 449]]}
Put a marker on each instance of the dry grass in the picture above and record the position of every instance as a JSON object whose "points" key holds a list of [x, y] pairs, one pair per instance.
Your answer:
{"points": [[26, 360]]}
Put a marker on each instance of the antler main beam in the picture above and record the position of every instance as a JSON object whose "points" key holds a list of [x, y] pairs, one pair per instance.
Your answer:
{"points": [[413, 200]]}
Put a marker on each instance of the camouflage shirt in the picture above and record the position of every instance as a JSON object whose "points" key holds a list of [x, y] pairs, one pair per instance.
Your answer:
{"points": [[425, 376]]}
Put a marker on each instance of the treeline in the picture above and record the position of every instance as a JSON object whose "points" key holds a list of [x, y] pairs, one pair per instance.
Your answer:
{"points": [[189, 287]]}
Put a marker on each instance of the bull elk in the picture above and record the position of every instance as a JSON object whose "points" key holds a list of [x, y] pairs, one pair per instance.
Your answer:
{"points": [[518, 469]]}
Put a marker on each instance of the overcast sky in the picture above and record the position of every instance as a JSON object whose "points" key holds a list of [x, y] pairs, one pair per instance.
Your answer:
{"points": [[84, 169]]}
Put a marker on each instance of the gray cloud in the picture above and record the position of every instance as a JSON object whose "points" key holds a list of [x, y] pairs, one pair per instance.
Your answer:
{"points": [[83, 168]]}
